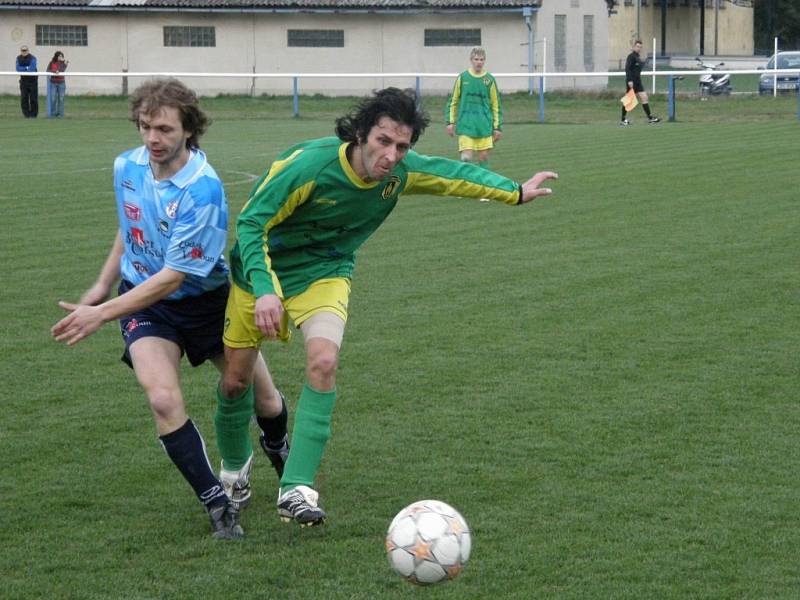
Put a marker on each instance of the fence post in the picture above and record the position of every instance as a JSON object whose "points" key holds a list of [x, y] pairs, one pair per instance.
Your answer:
{"points": [[418, 90], [50, 91], [541, 99], [295, 98], [671, 98]]}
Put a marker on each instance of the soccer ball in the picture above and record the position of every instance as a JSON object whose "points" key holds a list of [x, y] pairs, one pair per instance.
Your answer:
{"points": [[428, 542]]}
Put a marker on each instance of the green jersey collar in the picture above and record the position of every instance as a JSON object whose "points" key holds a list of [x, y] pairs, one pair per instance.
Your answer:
{"points": [[348, 170]]}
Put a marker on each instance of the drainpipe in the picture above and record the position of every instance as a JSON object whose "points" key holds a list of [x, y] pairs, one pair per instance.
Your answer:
{"points": [[527, 13]]}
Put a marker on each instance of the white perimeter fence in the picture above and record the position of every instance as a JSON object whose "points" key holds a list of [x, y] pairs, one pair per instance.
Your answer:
{"points": [[537, 82]]}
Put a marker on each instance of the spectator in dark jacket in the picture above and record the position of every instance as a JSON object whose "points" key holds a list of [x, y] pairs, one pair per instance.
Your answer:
{"points": [[28, 84]]}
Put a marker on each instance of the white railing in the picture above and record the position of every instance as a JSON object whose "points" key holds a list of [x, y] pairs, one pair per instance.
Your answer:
{"points": [[418, 78]]}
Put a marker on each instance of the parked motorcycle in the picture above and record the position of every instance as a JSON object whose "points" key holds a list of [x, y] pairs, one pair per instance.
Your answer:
{"points": [[711, 82]]}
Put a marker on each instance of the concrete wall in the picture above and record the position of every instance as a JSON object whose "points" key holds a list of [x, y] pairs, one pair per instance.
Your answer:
{"points": [[734, 31], [574, 10], [374, 43]]}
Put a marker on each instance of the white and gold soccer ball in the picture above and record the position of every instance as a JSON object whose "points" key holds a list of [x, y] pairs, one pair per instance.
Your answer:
{"points": [[428, 542]]}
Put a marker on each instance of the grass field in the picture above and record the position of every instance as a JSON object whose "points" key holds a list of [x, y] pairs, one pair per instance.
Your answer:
{"points": [[605, 382]]}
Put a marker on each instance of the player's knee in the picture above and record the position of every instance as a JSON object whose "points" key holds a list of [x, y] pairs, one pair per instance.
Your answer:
{"points": [[324, 363], [322, 367], [164, 401], [466, 156], [233, 385]]}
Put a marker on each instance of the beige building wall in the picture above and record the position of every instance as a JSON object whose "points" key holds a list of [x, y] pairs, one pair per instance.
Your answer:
{"points": [[574, 13], [734, 30], [257, 42]]}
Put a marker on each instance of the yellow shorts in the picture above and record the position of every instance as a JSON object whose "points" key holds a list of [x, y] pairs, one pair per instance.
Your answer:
{"points": [[324, 295], [471, 143]]}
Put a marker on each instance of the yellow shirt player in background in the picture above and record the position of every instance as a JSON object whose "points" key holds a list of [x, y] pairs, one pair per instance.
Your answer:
{"points": [[473, 111]]}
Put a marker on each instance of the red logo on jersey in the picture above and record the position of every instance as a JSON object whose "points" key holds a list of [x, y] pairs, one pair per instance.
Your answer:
{"points": [[138, 236], [133, 212], [197, 252]]}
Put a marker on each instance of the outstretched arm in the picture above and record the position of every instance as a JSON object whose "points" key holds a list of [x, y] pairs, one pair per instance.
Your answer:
{"points": [[92, 311], [531, 189], [84, 319]]}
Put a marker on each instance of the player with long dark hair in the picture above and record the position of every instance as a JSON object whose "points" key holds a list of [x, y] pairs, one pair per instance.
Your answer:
{"points": [[293, 260]]}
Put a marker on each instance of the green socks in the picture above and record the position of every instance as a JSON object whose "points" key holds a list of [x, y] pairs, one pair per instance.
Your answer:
{"points": [[232, 421], [312, 429]]}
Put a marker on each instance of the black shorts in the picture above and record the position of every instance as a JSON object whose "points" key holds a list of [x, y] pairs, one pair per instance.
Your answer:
{"points": [[637, 85], [194, 323]]}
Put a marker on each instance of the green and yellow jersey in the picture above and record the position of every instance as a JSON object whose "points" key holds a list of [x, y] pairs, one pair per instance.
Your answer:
{"points": [[474, 105], [308, 215]]}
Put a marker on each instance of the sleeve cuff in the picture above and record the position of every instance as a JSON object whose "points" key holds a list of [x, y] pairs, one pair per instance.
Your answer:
{"points": [[262, 289]]}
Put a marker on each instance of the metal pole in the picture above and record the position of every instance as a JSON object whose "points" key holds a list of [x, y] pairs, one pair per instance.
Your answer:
{"points": [[418, 88], [542, 84], [638, 20], [716, 27], [702, 27], [295, 98], [775, 66], [654, 65], [253, 42], [671, 99], [541, 99], [527, 12]]}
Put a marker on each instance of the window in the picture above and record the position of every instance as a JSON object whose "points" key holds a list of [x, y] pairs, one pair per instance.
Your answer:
{"points": [[560, 43], [588, 43], [190, 35], [62, 35], [452, 37], [316, 38]]}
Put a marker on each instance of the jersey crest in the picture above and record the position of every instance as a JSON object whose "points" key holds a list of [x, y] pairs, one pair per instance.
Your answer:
{"points": [[391, 187]]}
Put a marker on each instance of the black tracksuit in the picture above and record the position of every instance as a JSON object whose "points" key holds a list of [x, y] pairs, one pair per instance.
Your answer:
{"points": [[633, 71], [28, 86]]}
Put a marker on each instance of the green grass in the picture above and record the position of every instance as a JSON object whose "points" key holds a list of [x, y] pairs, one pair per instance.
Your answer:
{"points": [[604, 382]]}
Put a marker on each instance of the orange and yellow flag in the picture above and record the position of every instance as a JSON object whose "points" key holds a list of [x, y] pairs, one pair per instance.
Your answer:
{"points": [[629, 100]]}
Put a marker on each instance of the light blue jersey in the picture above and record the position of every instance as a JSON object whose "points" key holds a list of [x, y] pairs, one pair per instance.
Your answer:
{"points": [[180, 223]]}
